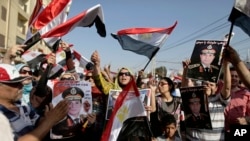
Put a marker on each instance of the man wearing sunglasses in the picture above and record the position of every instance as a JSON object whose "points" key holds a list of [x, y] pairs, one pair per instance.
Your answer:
{"points": [[25, 71], [25, 124]]}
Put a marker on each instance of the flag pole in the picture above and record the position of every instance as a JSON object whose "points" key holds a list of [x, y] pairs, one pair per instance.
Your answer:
{"points": [[54, 49], [230, 33], [151, 58], [30, 42]]}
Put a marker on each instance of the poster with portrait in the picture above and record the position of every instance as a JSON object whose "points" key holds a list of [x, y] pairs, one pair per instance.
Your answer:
{"points": [[195, 104], [145, 95], [78, 93], [206, 60]]}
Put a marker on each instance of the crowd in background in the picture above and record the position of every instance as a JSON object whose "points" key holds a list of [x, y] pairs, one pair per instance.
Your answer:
{"points": [[27, 113]]}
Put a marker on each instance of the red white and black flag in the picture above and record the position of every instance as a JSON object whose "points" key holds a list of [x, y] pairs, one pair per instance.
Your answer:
{"points": [[54, 14], [128, 107], [87, 18], [143, 41], [240, 15]]}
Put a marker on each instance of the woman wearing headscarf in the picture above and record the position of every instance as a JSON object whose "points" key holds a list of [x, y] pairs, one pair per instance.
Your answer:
{"points": [[132, 129]]}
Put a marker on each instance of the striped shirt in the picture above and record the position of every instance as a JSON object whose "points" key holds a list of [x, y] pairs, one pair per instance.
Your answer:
{"points": [[22, 122], [216, 106]]}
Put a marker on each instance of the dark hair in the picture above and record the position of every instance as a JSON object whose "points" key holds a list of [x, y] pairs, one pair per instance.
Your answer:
{"points": [[232, 69], [170, 84], [167, 120]]}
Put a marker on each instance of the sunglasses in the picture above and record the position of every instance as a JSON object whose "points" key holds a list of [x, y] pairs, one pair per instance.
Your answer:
{"points": [[124, 73], [67, 78], [88, 77], [162, 83], [25, 72]]}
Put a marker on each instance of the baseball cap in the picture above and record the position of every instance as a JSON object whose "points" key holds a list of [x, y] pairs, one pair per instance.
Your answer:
{"points": [[9, 74]]}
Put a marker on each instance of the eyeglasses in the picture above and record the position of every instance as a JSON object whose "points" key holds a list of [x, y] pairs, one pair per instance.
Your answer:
{"points": [[88, 77], [162, 83], [124, 73], [67, 78], [25, 71]]}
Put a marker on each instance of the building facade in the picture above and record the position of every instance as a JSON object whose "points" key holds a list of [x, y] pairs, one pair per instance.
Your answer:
{"points": [[14, 18]]}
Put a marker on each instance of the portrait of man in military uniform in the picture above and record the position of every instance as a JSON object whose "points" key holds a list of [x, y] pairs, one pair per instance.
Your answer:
{"points": [[197, 118], [73, 122], [205, 61], [195, 106]]}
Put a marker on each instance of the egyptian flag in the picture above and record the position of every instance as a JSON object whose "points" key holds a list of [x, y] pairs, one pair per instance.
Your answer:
{"points": [[54, 14], [83, 61], [240, 15], [87, 18], [36, 11], [122, 123], [34, 58], [143, 41]]}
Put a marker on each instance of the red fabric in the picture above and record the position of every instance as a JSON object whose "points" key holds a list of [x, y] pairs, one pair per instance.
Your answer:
{"points": [[4, 75], [131, 86], [238, 107], [49, 13], [96, 91], [146, 30], [36, 10]]}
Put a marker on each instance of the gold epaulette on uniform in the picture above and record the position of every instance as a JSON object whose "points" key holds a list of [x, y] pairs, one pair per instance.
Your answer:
{"points": [[188, 116], [214, 67], [193, 66]]}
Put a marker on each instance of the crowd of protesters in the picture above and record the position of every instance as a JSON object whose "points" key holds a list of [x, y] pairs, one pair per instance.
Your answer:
{"points": [[27, 113]]}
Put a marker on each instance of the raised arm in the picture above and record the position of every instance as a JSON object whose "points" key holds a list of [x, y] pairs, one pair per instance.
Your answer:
{"points": [[12, 52], [52, 116], [232, 56], [226, 89], [100, 81]]}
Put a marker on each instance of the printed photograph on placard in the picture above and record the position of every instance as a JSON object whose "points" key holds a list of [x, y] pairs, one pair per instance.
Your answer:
{"points": [[195, 106], [78, 94], [205, 60]]}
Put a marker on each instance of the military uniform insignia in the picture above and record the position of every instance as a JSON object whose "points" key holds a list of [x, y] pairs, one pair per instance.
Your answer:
{"points": [[213, 78], [193, 95], [214, 67], [209, 47], [193, 66], [73, 91]]}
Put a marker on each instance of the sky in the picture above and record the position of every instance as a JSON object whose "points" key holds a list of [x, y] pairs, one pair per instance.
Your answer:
{"points": [[197, 20]]}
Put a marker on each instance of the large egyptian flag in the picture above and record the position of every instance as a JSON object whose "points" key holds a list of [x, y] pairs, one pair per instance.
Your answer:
{"points": [[87, 18], [143, 41], [240, 15], [128, 106], [54, 14]]}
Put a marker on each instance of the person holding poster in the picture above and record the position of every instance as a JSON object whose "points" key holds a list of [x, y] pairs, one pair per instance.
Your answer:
{"points": [[73, 126]]}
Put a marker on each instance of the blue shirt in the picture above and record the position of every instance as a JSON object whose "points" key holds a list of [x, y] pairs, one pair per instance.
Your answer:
{"points": [[22, 122]]}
